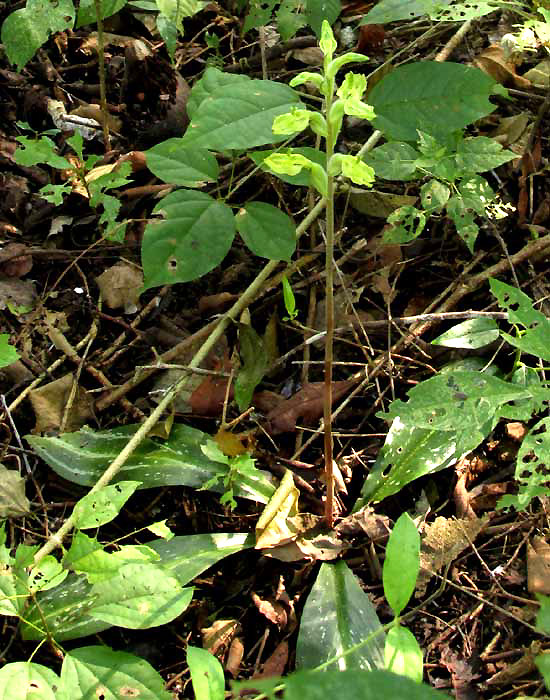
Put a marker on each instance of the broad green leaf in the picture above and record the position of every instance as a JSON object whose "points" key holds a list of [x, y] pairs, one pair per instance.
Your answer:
{"points": [[393, 161], [393, 10], [206, 674], [193, 238], [473, 333], [82, 457], [67, 610], [411, 452], [543, 615], [401, 563], [87, 13], [416, 96], [459, 401], [301, 178], [41, 150], [345, 684], [480, 154], [140, 596], [240, 116], [100, 507], [98, 670], [13, 501], [172, 162], [209, 85], [8, 354], [25, 30], [532, 472], [535, 340], [25, 680], [463, 219], [338, 615], [319, 10], [254, 365], [267, 231], [403, 654]]}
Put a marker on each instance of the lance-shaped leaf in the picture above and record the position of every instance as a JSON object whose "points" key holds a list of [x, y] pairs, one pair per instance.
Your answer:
{"points": [[473, 333], [82, 458], [337, 616]]}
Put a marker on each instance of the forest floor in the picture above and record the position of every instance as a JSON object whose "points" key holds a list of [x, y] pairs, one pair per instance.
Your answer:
{"points": [[477, 632]]}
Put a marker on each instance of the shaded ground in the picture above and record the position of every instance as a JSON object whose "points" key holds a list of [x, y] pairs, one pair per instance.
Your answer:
{"points": [[476, 630]]}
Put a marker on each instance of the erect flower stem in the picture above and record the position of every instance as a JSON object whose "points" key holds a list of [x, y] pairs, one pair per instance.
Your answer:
{"points": [[329, 317]]}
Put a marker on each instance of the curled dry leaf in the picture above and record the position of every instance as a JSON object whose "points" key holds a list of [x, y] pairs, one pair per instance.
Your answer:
{"points": [[493, 62], [15, 260], [276, 663], [271, 609], [120, 286], [13, 502], [49, 403], [538, 566], [17, 295], [235, 657]]}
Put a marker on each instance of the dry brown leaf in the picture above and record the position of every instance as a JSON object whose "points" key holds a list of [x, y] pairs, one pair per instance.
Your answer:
{"points": [[277, 524], [515, 430], [92, 111], [442, 542], [274, 611], [377, 527], [120, 286], [49, 403], [234, 657], [13, 502], [493, 62], [518, 669], [538, 566], [231, 444], [305, 405], [311, 55], [208, 398], [379, 205], [276, 663]]}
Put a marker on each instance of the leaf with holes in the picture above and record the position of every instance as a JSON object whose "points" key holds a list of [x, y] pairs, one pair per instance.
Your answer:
{"points": [[532, 467], [25, 679], [98, 671], [337, 615], [480, 154], [193, 238], [100, 507], [463, 219], [536, 338], [473, 333], [409, 453], [459, 401]]}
